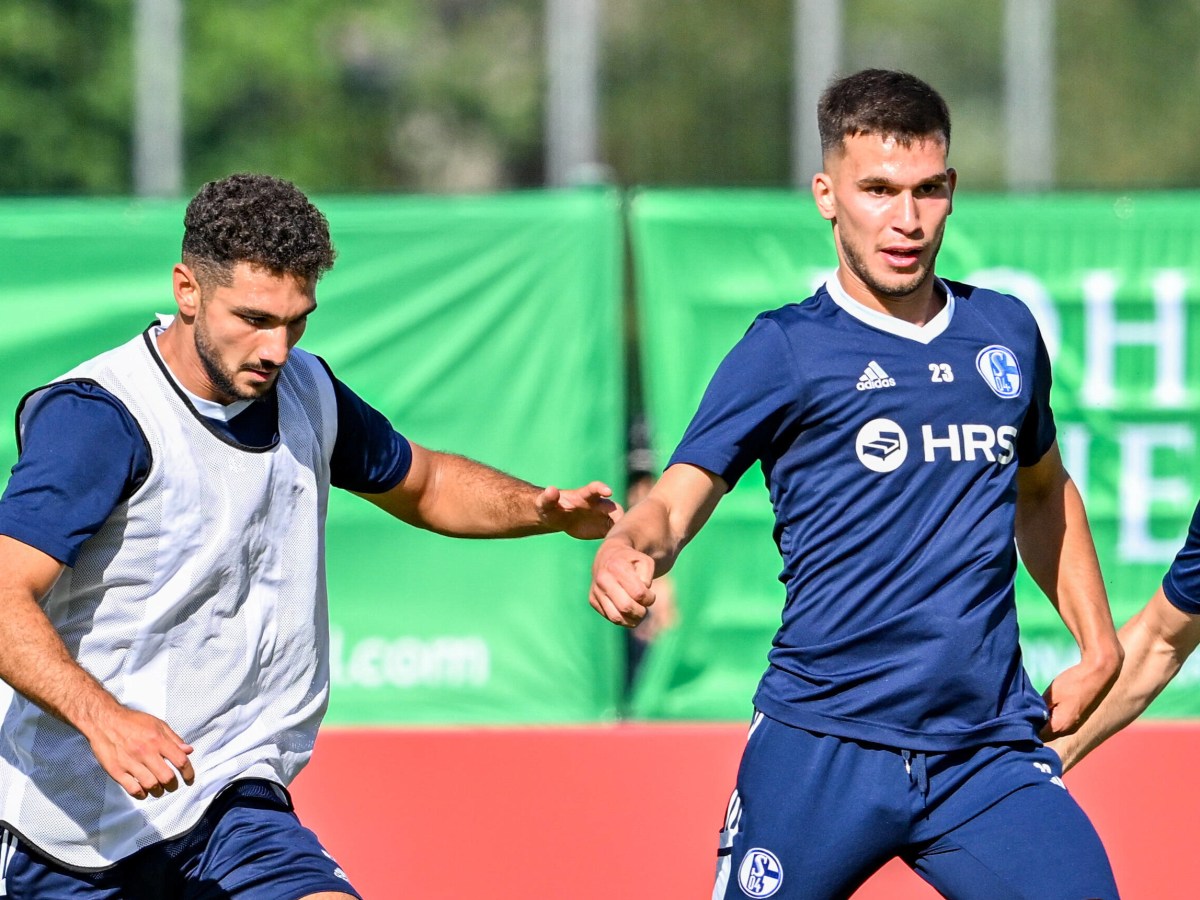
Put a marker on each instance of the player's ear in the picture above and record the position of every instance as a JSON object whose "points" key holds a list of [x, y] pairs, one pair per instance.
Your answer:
{"points": [[822, 190], [952, 176], [187, 289]]}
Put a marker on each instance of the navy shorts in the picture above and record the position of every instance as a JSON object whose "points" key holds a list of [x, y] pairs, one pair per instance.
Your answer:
{"points": [[814, 816], [249, 845]]}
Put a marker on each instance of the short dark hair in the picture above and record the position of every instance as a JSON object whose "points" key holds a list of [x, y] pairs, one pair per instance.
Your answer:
{"points": [[257, 219], [882, 102]]}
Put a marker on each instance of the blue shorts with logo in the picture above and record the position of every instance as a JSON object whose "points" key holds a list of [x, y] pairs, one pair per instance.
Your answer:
{"points": [[249, 845], [814, 816]]}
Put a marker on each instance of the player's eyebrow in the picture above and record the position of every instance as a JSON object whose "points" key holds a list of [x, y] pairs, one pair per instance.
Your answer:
{"points": [[882, 180], [254, 313]]}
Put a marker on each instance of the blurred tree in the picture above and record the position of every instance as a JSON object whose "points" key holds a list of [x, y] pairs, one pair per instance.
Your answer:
{"points": [[697, 93], [447, 95], [64, 77], [366, 95], [339, 95], [1129, 111], [956, 47]]}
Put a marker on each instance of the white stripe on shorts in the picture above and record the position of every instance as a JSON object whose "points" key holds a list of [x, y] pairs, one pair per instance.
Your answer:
{"points": [[8, 846], [733, 823]]}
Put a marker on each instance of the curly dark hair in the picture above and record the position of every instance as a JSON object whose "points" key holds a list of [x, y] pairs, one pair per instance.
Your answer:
{"points": [[257, 219], [881, 102]]}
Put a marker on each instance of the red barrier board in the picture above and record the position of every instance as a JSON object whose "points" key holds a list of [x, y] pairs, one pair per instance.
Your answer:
{"points": [[632, 811]]}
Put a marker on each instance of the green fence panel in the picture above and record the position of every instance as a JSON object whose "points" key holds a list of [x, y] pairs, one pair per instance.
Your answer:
{"points": [[1115, 283], [486, 326]]}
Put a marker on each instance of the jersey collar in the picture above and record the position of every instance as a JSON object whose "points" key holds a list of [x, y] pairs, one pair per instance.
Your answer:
{"points": [[922, 334], [210, 409]]}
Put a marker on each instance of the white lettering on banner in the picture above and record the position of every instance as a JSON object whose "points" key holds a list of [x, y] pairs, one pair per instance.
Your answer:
{"points": [[1189, 674], [1139, 489], [1029, 288], [1075, 442], [1045, 659], [1166, 333], [409, 662]]}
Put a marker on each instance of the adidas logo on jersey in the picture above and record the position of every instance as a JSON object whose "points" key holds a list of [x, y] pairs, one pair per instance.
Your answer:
{"points": [[873, 377]]}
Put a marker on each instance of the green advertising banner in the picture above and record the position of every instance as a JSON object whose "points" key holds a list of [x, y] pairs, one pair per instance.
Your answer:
{"points": [[483, 326], [1115, 284]]}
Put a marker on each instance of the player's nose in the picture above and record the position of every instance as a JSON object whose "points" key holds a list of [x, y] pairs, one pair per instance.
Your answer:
{"points": [[274, 346]]}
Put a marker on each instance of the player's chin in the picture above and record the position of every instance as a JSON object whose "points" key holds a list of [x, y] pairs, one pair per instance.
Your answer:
{"points": [[254, 387], [904, 283]]}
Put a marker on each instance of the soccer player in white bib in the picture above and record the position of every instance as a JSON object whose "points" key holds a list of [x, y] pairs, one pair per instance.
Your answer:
{"points": [[165, 630], [903, 426]]}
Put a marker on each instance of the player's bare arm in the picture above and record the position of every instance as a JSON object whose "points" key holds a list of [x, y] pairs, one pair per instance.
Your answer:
{"points": [[647, 541], [1055, 543], [459, 497], [1157, 641], [138, 751]]}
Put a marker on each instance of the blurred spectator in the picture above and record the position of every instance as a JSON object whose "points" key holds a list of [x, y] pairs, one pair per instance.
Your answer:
{"points": [[664, 614]]}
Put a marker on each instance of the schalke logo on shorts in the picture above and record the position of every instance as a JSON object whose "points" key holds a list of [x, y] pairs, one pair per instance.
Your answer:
{"points": [[999, 368], [760, 874]]}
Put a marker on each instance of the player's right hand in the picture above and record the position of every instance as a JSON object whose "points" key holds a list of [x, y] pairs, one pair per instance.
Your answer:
{"points": [[621, 578], [140, 752]]}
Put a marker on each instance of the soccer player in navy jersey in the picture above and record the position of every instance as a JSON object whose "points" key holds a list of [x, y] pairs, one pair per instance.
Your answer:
{"points": [[1158, 640], [164, 626], [903, 426]]}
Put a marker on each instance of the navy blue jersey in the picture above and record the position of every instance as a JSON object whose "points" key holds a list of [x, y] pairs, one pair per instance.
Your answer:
{"points": [[83, 454], [1182, 582], [890, 453]]}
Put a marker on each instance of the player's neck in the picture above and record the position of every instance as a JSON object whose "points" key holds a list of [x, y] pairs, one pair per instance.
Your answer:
{"points": [[917, 308], [176, 347]]}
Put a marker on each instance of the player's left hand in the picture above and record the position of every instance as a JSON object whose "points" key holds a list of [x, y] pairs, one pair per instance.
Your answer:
{"points": [[1072, 697], [586, 513]]}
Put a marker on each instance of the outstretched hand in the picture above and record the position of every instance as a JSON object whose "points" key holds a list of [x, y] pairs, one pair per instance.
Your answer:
{"points": [[586, 513]]}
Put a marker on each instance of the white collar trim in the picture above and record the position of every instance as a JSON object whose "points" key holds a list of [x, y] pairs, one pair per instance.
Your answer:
{"points": [[922, 334], [210, 409]]}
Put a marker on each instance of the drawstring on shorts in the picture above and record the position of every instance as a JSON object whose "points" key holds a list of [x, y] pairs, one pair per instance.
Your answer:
{"points": [[914, 766]]}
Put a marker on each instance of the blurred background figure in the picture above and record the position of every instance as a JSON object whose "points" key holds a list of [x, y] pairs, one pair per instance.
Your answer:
{"points": [[664, 615]]}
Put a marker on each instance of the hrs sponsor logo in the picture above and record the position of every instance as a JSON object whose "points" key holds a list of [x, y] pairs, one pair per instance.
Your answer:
{"points": [[882, 445]]}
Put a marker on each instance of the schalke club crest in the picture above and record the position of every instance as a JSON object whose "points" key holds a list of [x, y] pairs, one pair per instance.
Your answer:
{"points": [[999, 368]]}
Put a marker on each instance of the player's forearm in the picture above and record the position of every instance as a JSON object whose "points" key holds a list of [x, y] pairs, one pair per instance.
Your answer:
{"points": [[648, 528], [1157, 641], [675, 510], [1150, 663], [36, 663], [470, 499], [1056, 546], [459, 497]]}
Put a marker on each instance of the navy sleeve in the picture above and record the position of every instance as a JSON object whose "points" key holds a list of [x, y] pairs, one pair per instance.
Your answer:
{"points": [[1038, 431], [1182, 582], [369, 456], [749, 396], [82, 455]]}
